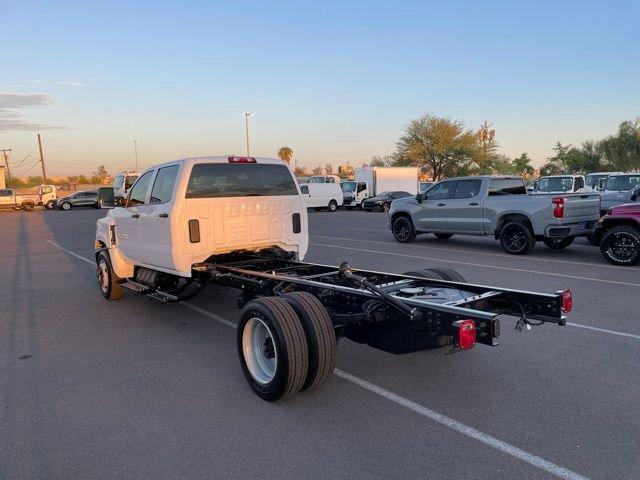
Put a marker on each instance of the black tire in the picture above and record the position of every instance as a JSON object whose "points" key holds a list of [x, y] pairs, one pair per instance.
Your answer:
{"points": [[557, 243], [108, 281], [403, 230], [333, 206], [321, 337], [594, 238], [66, 206], [28, 207], [49, 205], [516, 238], [438, 273], [386, 207], [286, 342], [443, 236], [621, 245]]}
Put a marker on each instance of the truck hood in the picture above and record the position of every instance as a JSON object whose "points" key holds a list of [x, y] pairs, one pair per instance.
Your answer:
{"points": [[627, 208]]}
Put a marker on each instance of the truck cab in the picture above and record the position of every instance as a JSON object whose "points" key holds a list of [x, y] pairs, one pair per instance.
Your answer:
{"points": [[620, 188], [123, 182], [561, 184], [183, 212]]}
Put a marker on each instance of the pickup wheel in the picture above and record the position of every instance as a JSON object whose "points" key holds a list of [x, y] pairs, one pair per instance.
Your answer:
{"points": [[49, 205], [558, 243], [403, 230], [65, 206], [272, 347], [108, 281], [333, 206], [443, 236], [621, 245], [516, 238], [438, 273], [28, 207], [321, 337]]}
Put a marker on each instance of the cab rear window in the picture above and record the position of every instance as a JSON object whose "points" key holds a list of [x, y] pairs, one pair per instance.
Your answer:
{"points": [[213, 180], [507, 186]]}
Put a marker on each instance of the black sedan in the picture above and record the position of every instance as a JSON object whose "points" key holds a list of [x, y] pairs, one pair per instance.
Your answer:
{"points": [[383, 201], [79, 199]]}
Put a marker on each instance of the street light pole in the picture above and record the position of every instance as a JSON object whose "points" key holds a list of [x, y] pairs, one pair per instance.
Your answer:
{"points": [[246, 128], [135, 148]]}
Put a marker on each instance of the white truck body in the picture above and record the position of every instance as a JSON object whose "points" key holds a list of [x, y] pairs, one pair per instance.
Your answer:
{"points": [[322, 195], [123, 181], [324, 179], [180, 213], [372, 181]]}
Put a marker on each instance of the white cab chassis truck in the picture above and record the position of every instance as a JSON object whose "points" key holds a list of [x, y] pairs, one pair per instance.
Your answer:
{"points": [[371, 181], [241, 222]]}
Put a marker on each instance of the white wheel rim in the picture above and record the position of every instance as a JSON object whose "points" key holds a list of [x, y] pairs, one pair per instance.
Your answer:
{"points": [[103, 276], [66, 206], [259, 351]]}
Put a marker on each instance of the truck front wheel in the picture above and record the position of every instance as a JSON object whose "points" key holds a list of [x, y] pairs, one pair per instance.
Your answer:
{"points": [[272, 347], [621, 245], [403, 230], [28, 207], [557, 243], [108, 281], [516, 238]]}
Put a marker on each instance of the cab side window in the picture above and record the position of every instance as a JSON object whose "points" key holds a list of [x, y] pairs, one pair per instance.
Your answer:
{"points": [[440, 191], [163, 185], [5, 193], [138, 194], [467, 188]]}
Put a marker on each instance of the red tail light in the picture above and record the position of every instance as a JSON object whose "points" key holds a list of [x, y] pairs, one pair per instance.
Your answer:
{"points": [[242, 160], [567, 301], [465, 334], [558, 207]]}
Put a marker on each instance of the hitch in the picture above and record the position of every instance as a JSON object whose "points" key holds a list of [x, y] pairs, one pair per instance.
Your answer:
{"points": [[347, 273]]}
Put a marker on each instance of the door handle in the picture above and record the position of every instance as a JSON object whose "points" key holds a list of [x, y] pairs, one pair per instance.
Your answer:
{"points": [[135, 215], [475, 204], [441, 204], [164, 215]]}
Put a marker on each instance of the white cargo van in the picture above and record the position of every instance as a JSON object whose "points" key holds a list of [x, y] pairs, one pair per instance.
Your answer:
{"points": [[322, 195]]}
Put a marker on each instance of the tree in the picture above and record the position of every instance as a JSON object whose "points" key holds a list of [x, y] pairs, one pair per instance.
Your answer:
{"points": [[522, 165], [317, 171], [300, 171], [328, 169], [83, 180], [380, 161], [285, 153], [622, 151], [440, 146], [101, 175]]}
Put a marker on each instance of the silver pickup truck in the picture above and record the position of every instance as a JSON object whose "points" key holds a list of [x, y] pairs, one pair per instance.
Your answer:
{"points": [[498, 206]]}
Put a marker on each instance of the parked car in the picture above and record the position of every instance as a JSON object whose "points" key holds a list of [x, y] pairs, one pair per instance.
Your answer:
{"points": [[322, 195], [9, 199], [620, 188], [619, 230], [383, 201], [79, 199], [498, 206]]}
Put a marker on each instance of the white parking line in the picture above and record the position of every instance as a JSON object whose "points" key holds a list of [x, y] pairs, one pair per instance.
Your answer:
{"points": [[426, 412], [488, 254], [513, 269]]}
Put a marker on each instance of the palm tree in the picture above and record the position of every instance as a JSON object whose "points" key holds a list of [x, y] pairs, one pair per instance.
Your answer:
{"points": [[285, 153]]}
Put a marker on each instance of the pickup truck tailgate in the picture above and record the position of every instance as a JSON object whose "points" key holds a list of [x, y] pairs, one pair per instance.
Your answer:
{"points": [[581, 206]]}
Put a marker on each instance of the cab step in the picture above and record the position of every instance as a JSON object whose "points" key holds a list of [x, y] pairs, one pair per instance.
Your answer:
{"points": [[137, 287], [162, 296]]}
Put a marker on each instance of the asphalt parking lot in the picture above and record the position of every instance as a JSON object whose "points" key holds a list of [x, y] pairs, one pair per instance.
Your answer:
{"points": [[137, 389]]}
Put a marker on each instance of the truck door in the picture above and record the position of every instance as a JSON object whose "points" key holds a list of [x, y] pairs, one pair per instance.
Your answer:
{"points": [[304, 190], [464, 209], [432, 216], [128, 229], [6, 197], [156, 221]]}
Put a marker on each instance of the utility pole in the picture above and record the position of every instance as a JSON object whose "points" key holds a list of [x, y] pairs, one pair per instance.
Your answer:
{"points": [[135, 147], [246, 127], [44, 174], [6, 160]]}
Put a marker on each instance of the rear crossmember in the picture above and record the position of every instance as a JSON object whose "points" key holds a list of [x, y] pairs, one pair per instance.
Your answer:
{"points": [[396, 313]]}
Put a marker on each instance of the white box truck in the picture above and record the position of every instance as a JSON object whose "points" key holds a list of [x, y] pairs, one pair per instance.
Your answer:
{"points": [[372, 181]]}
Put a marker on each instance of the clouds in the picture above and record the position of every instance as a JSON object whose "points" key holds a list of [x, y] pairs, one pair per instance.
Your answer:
{"points": [[12, 117], [71, 84]]}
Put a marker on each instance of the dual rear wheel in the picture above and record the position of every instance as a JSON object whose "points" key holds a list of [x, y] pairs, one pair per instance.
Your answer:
{"points": [[286, 344]]}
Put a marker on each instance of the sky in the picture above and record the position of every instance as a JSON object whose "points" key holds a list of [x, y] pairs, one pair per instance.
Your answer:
{"points": [[336, 81]]}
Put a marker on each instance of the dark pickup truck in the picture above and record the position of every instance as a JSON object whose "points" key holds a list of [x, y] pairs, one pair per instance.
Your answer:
{"points": [[620, 233]]}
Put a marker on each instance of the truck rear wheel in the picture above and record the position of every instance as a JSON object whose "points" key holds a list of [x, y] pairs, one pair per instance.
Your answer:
{"points": [[272, 348], [321, 337], [516, 238], [621, 245], [108, 281], [28, 207], [403, 230], [557, 243]]}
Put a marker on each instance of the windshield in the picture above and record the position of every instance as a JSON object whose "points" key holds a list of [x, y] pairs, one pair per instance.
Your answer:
{"points": [[593, 179], [210, 180], [623, 182], [118, 181], [555, 184], [348, 187]]}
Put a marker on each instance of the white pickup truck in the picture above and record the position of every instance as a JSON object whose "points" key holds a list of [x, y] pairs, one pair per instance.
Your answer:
{"points": [[9, 199], [241, 222]]}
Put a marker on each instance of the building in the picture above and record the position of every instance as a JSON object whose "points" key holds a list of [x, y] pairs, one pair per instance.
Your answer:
{"points": [[3, 183]]}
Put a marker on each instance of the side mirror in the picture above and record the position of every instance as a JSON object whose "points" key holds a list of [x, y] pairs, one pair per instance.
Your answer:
{"points": [[419, 197]]}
